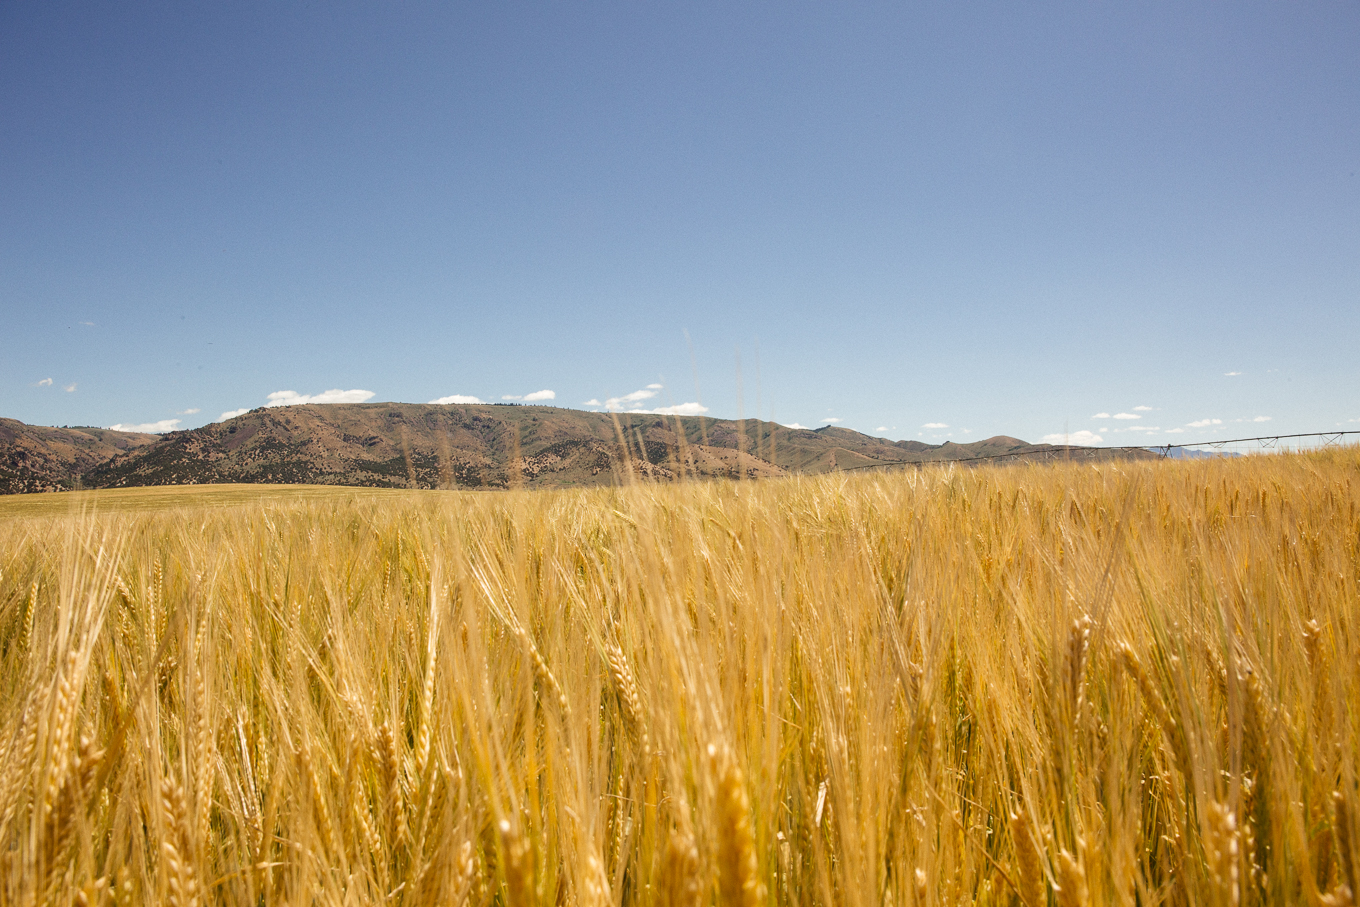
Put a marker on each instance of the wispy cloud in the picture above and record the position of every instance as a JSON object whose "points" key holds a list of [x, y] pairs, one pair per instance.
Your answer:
{"points": [[70, 388], [680, 409], [189, 412], [1145, 428], [625, 404], [1261, 419], [1175, 431], [936, 425], [1073, 437], [636, 396], [455, 398], [88, 324], [1142, 409], [293, 398], [1127, 416], [46, 382], [155, 428], [1204, 423], [882, 428], [232, 414], [830, 420], [1101, 416], [1231, 374]]}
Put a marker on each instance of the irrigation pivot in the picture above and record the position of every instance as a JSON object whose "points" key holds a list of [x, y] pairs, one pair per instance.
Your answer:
{"points": [[1234, 447]]}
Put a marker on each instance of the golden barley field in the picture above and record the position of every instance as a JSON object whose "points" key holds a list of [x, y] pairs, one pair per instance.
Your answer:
{"points": [[1131, 684]]}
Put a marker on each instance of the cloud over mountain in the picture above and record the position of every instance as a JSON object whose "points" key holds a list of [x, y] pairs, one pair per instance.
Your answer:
{"points": [[151, 428], [293, 398], [1075, 437]]}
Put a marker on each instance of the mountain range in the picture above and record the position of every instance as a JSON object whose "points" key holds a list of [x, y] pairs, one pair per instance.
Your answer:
{"points": [[406, 445]]}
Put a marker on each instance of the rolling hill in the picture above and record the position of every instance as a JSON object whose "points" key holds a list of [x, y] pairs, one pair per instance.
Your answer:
{"points": [[436, 446], [39, 458]]}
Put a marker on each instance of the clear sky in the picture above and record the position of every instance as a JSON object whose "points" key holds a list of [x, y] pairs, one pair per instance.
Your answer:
{"points": [[922, 220]]}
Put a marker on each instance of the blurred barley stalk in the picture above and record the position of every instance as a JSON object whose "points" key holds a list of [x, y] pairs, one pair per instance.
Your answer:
{"points": [[1127, 684]]}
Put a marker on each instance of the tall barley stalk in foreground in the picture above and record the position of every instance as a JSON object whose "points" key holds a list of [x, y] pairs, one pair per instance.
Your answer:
{"points": [[1133, 683]]}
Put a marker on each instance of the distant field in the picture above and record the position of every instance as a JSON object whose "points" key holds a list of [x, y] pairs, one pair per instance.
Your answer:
{"points": [[161, 497], [1122, 683]]}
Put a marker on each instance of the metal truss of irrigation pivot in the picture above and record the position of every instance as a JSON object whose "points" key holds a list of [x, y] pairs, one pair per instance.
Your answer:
{"points": [[1267, 442]]}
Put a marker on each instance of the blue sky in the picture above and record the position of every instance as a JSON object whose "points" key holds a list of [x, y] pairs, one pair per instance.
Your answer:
{"points": [[924, 221]]}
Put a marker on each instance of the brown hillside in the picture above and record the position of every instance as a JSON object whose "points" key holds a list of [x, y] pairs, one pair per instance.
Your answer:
{"points": [[426, 446], [394, 445], [39, 458]]}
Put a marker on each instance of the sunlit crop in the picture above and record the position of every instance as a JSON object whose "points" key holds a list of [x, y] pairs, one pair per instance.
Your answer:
{"points": [[1133, 683]]}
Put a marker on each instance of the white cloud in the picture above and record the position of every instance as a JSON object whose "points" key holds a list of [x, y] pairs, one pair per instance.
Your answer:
{"points": [[623, 403], [831, 420], [188, 412], [1204, 423], [1127, 416], [682, 409], [1152, 428], [635, 397], [293, 398], [1075, 437], [46, 382], [1175, 431], [70, 388], [511, 397], [154, 428], [1101, 416], [935, 425], [1261, 419], [232, 414], [881, 428], [88, 324], [805, 428], [1231, 374], [455, 398], [540, 395], [1142, 409]]}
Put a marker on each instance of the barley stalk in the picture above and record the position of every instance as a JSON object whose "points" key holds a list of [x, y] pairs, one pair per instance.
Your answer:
{"points": [[203, 761], [738, 873], [629, 697], [1222, 851], [180, 878], [1033, 889], [1071, 890], [319, 800], [62, 733], [680, 884], [1344, 840], [517, 854], [1172, 731]]}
